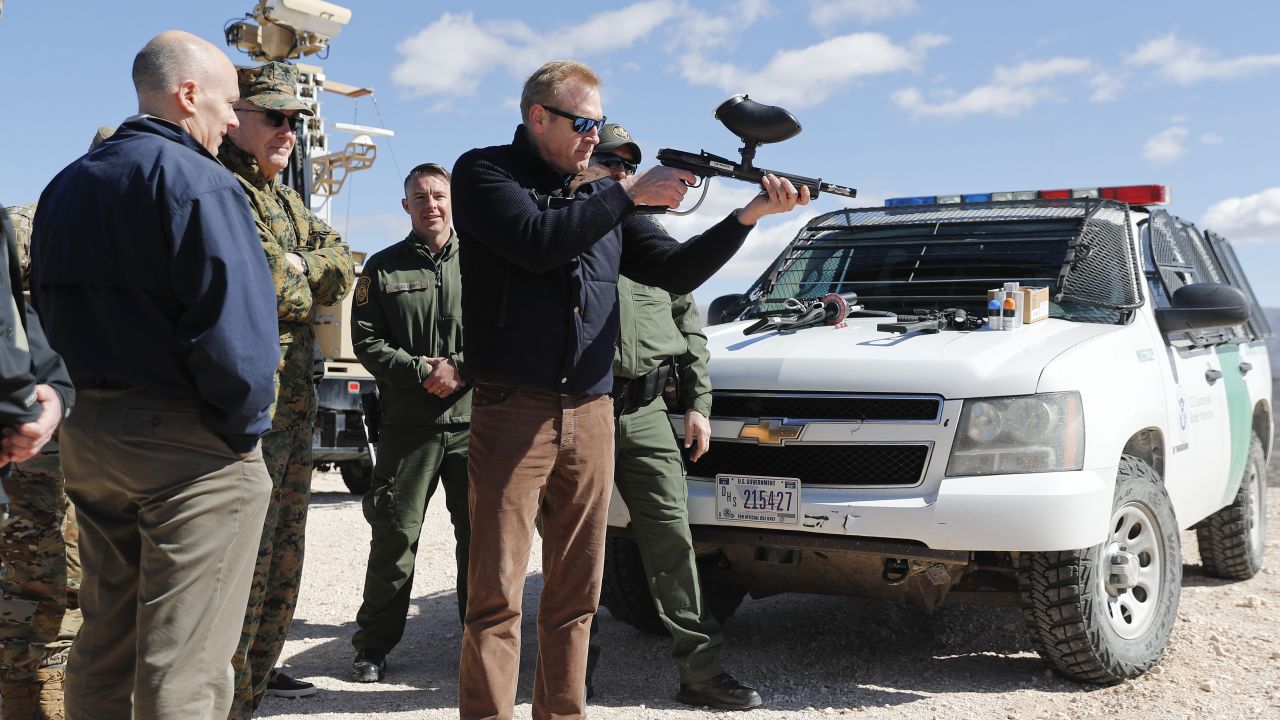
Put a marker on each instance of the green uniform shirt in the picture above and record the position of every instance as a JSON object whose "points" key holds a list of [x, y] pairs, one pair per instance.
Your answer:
{"points": [[657, 325], [407, 306]]}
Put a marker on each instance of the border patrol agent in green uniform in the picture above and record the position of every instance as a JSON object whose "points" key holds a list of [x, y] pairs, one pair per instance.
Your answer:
{"points": [[310, 266], [661, 334], [406, 328]]}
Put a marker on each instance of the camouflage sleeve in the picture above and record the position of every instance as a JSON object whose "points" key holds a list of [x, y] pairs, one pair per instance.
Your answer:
{"points": [[294, 302], [329, 264], [695, 380], [372, 340]]}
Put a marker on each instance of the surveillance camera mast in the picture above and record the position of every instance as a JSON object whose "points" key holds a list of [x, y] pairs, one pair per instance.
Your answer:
{"points": [[283, 30]]}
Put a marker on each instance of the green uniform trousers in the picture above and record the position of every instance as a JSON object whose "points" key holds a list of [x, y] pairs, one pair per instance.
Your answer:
{"points": [[412, 462], [277, 576], [39, 571], [650, 478]]}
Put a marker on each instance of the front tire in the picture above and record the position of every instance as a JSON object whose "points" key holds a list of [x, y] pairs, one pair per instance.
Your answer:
{"points": [[1104, 614], [1233, 540], [624, 589], [357, 475]]}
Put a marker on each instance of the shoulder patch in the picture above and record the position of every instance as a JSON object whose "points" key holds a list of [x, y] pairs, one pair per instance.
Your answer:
{"points": [[362, 290]]}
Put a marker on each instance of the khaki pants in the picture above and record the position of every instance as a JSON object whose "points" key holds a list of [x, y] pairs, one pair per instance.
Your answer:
{"points": [[534, 452], [170, 519]]}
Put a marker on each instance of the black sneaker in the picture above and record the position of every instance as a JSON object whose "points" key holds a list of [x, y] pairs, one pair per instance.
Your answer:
{"points": [[369, 666], [722, 692], [286, 686]]}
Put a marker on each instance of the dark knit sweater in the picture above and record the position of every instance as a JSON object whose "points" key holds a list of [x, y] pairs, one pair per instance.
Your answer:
{"points": [[540, 267]]}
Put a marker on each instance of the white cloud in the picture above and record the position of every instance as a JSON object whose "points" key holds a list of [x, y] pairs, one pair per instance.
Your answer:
{"points": [[1011, 91], [807, 76], [827, 12], [1185, 62], [1211, 138], [1106, 86], [1252, 219], [1166, 146], [450, 56]]}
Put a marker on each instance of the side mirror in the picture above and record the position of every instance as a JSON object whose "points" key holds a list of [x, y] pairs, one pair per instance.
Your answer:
{"points": [[721, 305], [1201, 306]]}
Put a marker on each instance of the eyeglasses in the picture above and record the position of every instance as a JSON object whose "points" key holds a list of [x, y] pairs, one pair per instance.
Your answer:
{"points": [[613, 162], [276, 119], [581, 125]]}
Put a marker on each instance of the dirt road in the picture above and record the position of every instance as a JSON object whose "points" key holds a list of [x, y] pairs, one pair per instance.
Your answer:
{"points": [[810, 656]]}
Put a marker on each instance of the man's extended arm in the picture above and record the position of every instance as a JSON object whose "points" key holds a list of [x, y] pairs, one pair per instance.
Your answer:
{"points": [[229, 316], [695, 380]]}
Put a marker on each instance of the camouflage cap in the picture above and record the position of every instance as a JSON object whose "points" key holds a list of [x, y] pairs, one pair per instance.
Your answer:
{"points": [[273, 86], [614, 136]]}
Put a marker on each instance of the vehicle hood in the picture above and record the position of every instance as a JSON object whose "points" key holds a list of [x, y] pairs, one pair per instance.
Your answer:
{"points": [[855, 357]]}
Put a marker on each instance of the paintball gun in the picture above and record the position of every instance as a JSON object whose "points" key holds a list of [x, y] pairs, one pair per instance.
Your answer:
{"points": [[755, 124]]}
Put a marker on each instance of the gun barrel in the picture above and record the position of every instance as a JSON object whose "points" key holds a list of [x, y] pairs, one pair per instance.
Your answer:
{"points": [[706, 164]]}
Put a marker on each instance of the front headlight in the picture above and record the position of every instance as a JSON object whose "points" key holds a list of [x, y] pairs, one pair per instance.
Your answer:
{"points": [[1025, 434]]}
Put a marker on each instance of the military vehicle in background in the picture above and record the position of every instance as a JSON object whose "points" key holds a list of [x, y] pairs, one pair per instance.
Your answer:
{"points": [[284, 30], [340, 438]]}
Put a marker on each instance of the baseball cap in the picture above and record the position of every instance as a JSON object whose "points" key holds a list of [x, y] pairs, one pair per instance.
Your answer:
{"points": [[614, 136], [273, 86]]}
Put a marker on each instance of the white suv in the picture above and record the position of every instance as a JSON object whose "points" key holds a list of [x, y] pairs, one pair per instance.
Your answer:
{"points": [[867, 441]]}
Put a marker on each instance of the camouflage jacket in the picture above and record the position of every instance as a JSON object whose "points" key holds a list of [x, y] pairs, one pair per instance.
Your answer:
{"points": [[286, 225], [23, 217]]}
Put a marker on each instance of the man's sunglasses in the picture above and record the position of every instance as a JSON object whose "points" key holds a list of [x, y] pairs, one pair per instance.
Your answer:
{"points": [[613, 162], [581, 125], [276, 119]]}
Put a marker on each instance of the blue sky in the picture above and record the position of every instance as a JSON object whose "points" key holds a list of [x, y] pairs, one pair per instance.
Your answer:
{"points": [[897, 97]]}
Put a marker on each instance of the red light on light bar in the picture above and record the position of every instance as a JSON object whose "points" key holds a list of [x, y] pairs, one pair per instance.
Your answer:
{"points": [[353, 386], [1055, 194], [1138, 194]]}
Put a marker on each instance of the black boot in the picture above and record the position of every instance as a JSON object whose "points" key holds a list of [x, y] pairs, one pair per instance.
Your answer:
{"points": [[722, 692]]}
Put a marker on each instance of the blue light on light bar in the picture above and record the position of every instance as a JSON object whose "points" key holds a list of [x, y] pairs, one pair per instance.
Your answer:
{"points": [[977, 198], [905, 201]]}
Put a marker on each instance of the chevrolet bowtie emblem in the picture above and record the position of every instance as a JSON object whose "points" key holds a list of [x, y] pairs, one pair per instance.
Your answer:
{"points": [[771, 431]]}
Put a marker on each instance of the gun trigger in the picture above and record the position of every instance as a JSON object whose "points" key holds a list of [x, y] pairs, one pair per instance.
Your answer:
{"points": [[696, 184]]}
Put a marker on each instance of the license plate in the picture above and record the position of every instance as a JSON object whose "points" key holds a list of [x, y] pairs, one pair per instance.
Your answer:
{"points": [[758, 499]]}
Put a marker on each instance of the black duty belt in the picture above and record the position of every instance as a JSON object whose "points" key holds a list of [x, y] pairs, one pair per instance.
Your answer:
{"points": [[630, 395]]}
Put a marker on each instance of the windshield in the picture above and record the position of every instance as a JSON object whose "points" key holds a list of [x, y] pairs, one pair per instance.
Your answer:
{"points": [[896, 263]]}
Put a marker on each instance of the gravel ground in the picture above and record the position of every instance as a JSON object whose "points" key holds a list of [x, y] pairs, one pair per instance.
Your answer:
{"points": [[810, 656]]}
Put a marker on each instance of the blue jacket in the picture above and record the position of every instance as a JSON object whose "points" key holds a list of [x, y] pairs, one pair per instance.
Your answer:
{"points": [[540, 267], [147, 271]]}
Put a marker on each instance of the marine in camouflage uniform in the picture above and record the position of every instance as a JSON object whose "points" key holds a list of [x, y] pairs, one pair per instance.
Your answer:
{"points": [[39, 565], [287, 228]]}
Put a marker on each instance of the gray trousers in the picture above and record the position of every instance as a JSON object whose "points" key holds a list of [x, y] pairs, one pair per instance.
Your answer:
{"points": [[170, 519]]}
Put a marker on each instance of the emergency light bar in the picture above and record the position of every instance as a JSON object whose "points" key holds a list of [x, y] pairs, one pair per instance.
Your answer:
{"points": [[1132, 194]]}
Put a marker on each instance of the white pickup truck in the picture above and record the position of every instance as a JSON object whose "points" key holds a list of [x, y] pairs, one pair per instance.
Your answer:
{"points": [[876, 444]]}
